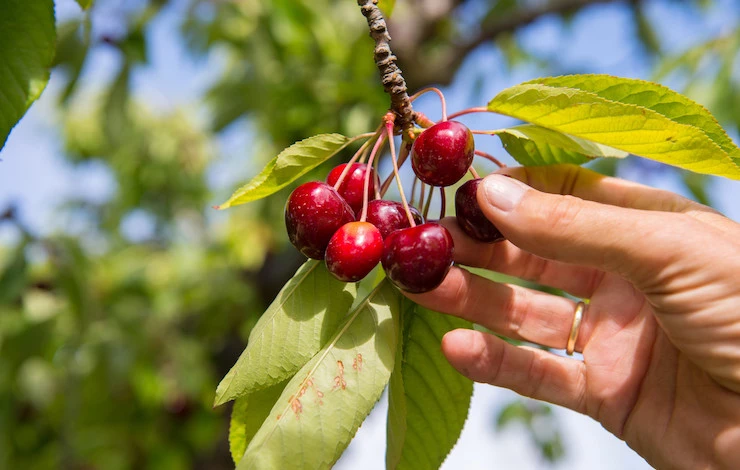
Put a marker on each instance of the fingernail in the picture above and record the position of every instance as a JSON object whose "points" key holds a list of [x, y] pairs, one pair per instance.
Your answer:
{"points": [[502, 192]]}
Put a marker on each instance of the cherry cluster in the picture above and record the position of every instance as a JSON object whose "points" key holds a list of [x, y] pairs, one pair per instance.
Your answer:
{"points": [[345, 222]]}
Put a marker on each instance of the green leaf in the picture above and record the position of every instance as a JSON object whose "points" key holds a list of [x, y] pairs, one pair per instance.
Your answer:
{"points": [[297, 324], [638, 117], [658, 98], [535, 145], [327, 400], [247, 416], [85, 4], [288, 166], [27, 42], [428, 398]]}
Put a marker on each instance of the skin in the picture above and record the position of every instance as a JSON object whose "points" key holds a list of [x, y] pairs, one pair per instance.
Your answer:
{"points": [[660, 339]]}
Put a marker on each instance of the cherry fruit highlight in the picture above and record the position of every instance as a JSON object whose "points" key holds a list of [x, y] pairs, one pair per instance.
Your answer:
{"points": [[417, 259], [353, 251], [352, 188], [442, 154], [314, 212]]}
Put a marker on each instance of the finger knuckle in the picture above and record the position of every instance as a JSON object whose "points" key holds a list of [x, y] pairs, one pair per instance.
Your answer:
{"points": [[516, 308], [535, 375]]}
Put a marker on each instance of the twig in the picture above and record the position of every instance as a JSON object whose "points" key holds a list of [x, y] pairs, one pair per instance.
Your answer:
{"points": [[390, 75]]}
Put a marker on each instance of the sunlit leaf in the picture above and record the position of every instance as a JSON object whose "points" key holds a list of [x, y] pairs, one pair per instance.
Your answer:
{"points": [[288, 166], [323, 405], [27, 42], [428, 399], [535, 145], [301, 319], [629, 115], [661, 99], [247, 416]]}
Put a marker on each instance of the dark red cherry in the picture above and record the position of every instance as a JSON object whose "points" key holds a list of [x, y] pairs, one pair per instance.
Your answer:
{"points": [[353, 251], [470, 217], [352, 188], [389, 216], [417, 259], [313, 213], [442, 154]]}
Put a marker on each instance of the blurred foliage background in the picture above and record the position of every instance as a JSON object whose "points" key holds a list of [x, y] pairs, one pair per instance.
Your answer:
{"points": [[111, 345]]}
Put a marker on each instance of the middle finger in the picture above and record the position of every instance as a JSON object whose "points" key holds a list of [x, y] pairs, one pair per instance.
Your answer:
{"points": [[513, 311], [506, 258]]}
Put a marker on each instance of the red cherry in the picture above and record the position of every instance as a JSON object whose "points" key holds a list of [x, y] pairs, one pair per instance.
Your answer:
{"points": [[417, 259], [352, 188], [470, 217], [442, 154], [353, 251], [389, 216], [313, 213]]}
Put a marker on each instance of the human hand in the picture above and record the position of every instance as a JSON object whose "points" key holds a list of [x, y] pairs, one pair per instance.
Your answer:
{"points": [[660, 336]]}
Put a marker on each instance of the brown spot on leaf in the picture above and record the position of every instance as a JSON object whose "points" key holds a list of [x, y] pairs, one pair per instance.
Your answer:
{"points": [[357, 363], [297, 407], [339, 381]]}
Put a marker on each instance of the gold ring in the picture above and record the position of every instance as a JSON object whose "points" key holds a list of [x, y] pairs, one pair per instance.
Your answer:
{"points": [[575, 328]]}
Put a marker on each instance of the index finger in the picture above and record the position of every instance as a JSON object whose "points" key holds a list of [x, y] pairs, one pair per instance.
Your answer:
{"points": [[586, 184]]}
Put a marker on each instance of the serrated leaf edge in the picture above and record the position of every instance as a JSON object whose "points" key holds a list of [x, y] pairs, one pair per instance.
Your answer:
{"points": [[219, 400], [709, 115], [262, 176], [727, 158]]}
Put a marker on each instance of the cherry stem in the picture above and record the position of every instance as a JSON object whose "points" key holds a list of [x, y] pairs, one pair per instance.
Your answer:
{"points": [[441, 99], [490, 157], [354, 159], [377, 172], [413, 191], [422, 120], [473, 172], [463, 112], [405, 149], [389, 130], [366, 189], [422, 194], [443, 202], [429, 202]]}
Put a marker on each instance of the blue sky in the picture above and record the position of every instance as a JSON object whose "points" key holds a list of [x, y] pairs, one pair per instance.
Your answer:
{"points": [[34, 176]]}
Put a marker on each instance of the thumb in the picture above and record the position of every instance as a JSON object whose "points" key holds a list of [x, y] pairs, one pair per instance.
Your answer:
{"points": [[635, 244]]}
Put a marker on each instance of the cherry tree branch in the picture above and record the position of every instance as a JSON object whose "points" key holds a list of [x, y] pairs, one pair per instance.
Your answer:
{"points": [[391, 76]]}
